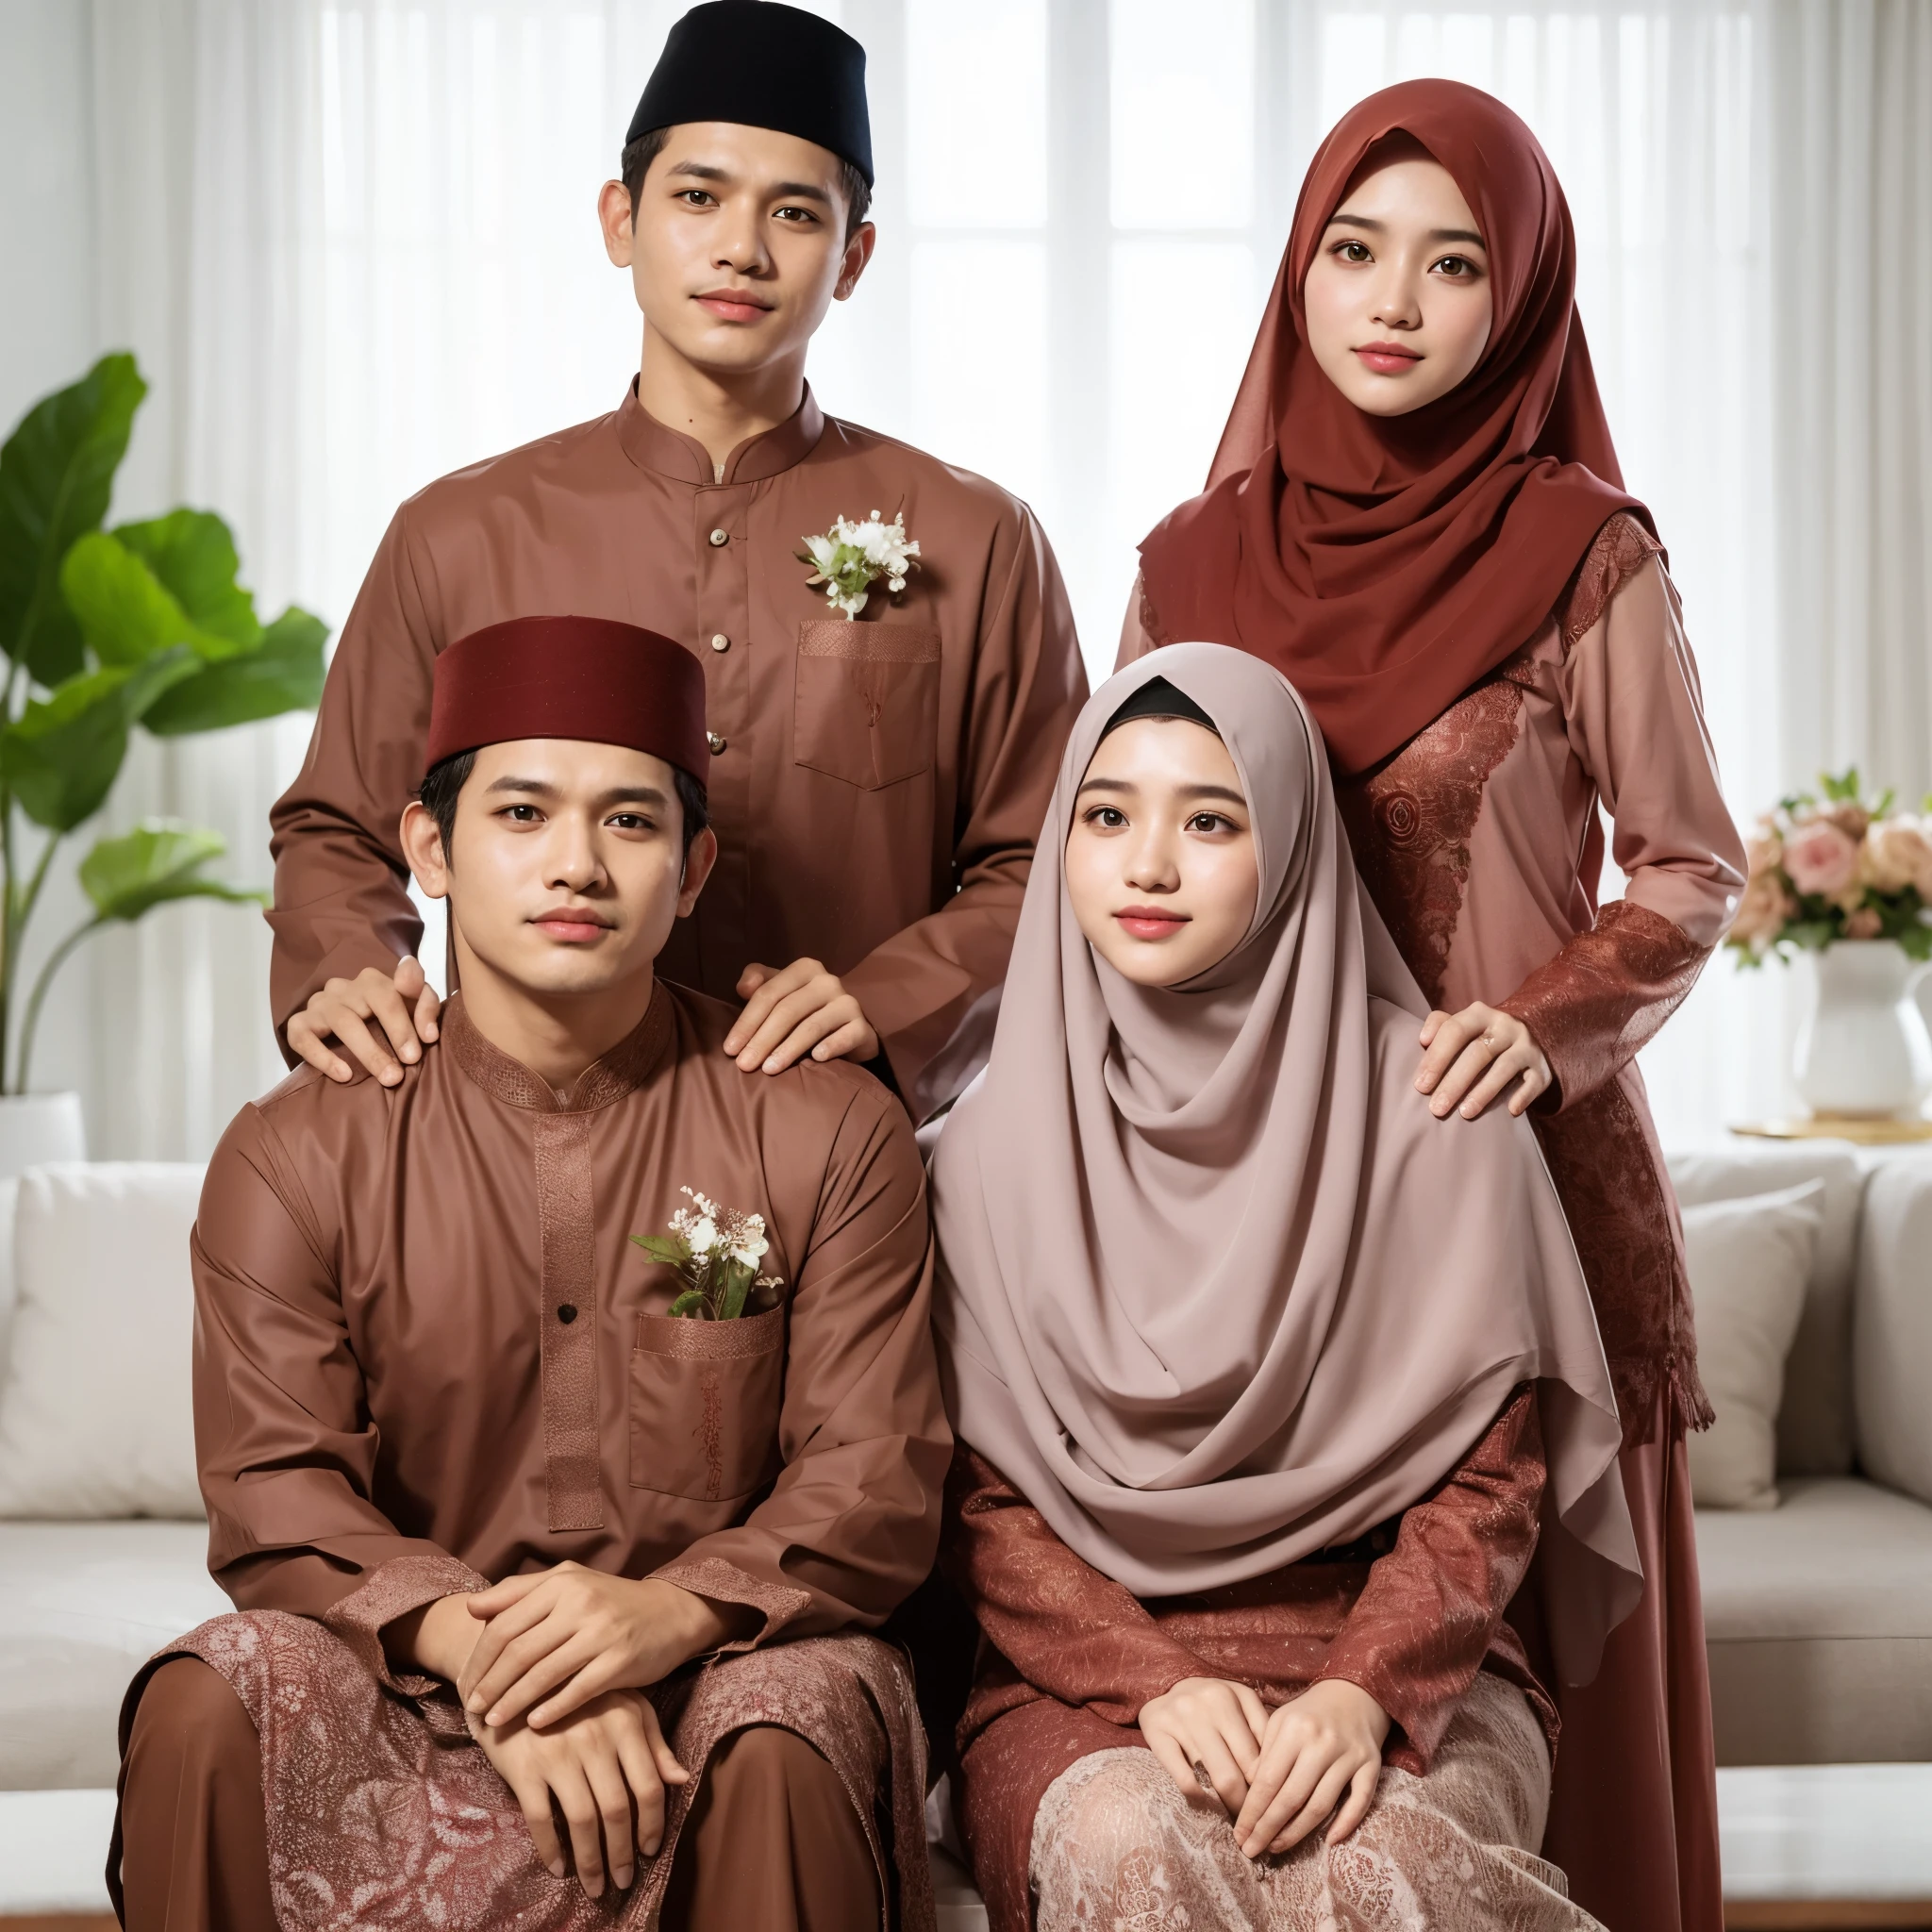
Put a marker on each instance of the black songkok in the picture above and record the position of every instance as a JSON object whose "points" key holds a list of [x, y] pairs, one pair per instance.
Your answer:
{"points": [[762, 65]]}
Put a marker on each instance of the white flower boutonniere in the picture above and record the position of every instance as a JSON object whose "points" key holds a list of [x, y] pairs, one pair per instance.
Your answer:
{"points": [[851, 555], [716, 1254]]}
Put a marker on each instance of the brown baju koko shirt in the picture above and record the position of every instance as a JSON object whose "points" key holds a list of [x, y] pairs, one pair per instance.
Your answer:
{"points": [[425, 1345], [877, 785], [427, 1356]]}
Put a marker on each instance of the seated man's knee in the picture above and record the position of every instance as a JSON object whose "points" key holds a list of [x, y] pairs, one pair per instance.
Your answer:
{"points": [[187, 1717], [769, 1771], [772, 1840], [764, 1760]]}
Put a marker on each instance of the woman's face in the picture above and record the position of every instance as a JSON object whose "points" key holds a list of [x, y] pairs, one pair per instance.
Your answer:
{"points": [[1397, 298], [1160, 860]]}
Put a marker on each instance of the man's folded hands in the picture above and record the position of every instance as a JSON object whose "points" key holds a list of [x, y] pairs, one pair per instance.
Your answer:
{"points": [[553, 1640], [551, 1667]]}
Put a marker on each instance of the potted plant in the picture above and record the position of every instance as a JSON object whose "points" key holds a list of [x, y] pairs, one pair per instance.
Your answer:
{"points": [[1849, 880], [106, 631]]}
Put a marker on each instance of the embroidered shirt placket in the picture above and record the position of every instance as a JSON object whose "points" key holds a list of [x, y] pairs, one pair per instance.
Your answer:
{"points": [[569, 1342]]}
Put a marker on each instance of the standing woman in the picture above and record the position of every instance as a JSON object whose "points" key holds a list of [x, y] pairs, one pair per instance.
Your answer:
{"points": [[1416, 514]]}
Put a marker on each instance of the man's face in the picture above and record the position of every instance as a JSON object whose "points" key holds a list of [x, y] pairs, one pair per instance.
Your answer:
{"points": [[566, 866], [738, 246]]}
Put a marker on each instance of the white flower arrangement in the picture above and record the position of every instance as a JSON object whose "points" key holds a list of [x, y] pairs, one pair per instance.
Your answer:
{"points": [[716, 1254], [851, 555]]}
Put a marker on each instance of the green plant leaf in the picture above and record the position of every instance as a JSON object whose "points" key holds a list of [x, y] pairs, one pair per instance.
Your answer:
{"points": [[126, 613], [691, 1302], [159, 860], [283, 674], [56, 473], [737, 1286], [192, 553], [64, 754]]}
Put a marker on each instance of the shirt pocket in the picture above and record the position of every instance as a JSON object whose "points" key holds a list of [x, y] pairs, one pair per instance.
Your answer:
{"points": [[704, 1405], [867, 705]]}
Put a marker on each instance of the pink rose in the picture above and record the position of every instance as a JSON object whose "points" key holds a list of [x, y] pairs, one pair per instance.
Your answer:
{"points": [[1819, 859], [1897, 853], [1863, 924], [1761, 912], [1849, 817]]}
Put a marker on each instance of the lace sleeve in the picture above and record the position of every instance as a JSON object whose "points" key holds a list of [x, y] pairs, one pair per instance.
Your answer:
{"points": [[1604, 995], [1431, 1609], [1068, 1630]]}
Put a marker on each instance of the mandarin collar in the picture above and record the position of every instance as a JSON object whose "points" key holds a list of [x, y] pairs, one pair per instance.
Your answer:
{"points": [[622, 1070], [652, 446]]}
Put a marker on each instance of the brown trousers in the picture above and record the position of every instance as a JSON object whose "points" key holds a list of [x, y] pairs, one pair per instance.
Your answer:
{"points": [[772, 1839]]}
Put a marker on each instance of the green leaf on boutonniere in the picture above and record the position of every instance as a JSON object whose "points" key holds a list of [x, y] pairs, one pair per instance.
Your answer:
{"points": [[737, 1286], [693, 1302], [673, 1250]]}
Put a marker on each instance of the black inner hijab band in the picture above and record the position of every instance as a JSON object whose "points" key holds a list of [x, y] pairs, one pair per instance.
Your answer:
{"points": [[1157, 698]]}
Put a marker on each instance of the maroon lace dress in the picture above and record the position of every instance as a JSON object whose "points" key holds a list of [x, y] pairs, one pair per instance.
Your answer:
{"points": [[1480, 842]]}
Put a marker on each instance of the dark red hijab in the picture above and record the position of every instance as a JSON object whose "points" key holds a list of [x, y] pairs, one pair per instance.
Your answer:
{"points": [[1383, 565]]}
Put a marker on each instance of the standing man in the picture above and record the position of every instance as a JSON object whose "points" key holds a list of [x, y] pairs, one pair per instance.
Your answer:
{"points": [[876, 778]]}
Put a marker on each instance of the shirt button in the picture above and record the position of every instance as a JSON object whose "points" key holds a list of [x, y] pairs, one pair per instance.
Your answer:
{"points": [[716, 742], [566, 1312], [720, 538], [720, 641]]}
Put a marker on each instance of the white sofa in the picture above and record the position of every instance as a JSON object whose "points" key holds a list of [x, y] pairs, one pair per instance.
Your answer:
{"points": [[1819, 1612]]}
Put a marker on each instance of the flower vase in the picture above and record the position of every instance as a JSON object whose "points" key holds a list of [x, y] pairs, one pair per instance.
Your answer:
{"points": [[1863, 1052]]}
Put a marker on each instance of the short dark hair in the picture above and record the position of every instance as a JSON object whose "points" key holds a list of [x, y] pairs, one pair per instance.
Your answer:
{"points": [[635, 163], [439, 788]]}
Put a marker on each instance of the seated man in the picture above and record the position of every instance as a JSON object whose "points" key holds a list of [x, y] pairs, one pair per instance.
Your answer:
{"points": [[513, 1546]]}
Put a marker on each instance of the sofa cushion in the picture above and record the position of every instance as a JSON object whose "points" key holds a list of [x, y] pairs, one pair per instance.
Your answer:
{"points": [[1818, 1618], [1814, 1425], [1891, 1328], [1749, 1261], [10, 1193], [83, 1604], [97, 1414]]}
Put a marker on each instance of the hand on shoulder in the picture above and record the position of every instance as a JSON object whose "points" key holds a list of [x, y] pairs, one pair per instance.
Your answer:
{"points": [[1473, 1057], [803, 1010], [384, 1019]]}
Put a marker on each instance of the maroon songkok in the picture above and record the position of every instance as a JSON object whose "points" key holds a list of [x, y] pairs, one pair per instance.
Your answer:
{"points": [[588, 677]]}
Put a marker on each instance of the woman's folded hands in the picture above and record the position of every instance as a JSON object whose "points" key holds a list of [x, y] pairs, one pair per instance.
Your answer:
{"points": [[1278, 1773]]}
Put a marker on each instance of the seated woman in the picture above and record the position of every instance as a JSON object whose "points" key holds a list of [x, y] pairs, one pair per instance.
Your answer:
{"points": [[1264, 1384]]}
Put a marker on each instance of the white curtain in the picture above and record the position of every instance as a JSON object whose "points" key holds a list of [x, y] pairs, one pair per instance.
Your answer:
{"points": [[354, 246]]}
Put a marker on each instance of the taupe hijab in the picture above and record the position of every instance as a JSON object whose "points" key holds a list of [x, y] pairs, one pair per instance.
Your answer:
{"points": [[1216, 1289]]}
